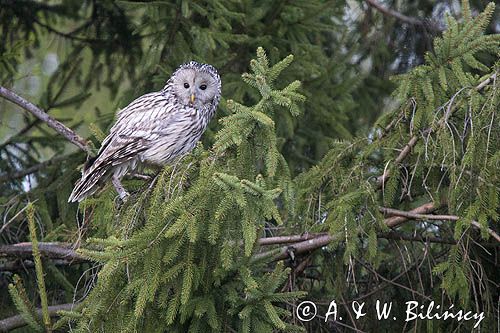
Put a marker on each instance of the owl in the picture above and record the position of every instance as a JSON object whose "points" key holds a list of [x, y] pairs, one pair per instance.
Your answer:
{"points": [[154, 129]]}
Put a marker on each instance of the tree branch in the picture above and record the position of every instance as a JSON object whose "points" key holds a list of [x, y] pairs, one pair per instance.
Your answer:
{"points": [[17, 321], [48, 250], [32, 169], [420, 213], [403, 216], [300, 243], [22, 264], [59, 127], [287, 239], [413, 140], [399, 236], [297, 248], [395, 14]]}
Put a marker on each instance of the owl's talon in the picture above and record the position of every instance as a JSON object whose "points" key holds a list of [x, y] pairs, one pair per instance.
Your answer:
{"points": [[120, 189]]}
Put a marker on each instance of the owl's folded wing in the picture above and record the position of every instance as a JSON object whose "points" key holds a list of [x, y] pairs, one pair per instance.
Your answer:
{"points": [[118, 151]]}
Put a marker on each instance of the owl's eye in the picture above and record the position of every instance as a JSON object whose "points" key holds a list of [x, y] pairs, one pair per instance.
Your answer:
{"points": [[186, 85], [203, 87]]}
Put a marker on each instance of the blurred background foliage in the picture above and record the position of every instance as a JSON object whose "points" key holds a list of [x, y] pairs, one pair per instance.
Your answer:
{"points": [[82, 60]]}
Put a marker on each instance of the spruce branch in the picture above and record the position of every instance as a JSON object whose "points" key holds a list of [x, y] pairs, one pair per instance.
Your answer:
{"points": [[18, 321], [59, 127], [400, 217], [15, 265], [405, 152], [287, 239], [421, 239]]}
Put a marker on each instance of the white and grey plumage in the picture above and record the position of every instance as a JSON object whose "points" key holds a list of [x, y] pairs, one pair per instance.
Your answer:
{"points": [[155, 128]]}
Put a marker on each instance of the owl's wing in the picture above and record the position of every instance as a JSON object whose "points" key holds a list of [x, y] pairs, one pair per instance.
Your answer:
{"points": [[119, 150], [140, 118], [136, 126]]}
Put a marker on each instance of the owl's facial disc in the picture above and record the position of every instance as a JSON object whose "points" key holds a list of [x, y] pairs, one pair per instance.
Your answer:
{"points": [[194, 87]]}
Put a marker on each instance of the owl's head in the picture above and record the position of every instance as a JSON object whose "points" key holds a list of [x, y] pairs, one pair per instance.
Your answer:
{"points": [[196, 84]]}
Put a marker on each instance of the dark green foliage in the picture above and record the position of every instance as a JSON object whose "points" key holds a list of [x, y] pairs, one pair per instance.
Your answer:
{"points": [[302, 144]]}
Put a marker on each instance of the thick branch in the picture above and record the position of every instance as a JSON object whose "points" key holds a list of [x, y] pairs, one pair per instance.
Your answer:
{"points": [[22, 264], [403, 216], [48, 250], [43, 116], [419, 213], [296, 248], [14, 322], [287, 239]]}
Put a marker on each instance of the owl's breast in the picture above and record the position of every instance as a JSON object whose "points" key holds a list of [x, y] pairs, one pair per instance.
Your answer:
{"points": [[177, 137]]}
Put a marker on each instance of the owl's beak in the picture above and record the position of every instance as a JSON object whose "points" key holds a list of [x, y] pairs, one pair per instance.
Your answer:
{"points": [[192, 98]]}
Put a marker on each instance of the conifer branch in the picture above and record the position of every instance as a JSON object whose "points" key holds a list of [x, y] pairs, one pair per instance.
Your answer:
{"points": [[40, 279], [23, 264], [59, 127], [297, 248], [419, 213], [425, 239], [413, 140], [17, 321], [301, 243]]}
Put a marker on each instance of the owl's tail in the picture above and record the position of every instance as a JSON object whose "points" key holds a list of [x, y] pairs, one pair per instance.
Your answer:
{"points": [[89, 183]]}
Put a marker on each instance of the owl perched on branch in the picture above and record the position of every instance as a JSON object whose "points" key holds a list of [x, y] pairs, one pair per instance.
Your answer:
{"points": [[155, 128]]}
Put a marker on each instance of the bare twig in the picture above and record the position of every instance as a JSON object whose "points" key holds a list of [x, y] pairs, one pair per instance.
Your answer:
{"points": [[43, 116], [420, 213], [395, 14], [32, 169], [423, 239], [14, 322]]}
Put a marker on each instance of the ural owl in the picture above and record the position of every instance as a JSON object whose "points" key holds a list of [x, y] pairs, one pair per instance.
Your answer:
{"points": [[155, 128]]}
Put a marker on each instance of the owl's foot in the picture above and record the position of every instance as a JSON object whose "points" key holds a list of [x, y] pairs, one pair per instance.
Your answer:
{"points": [[120, 189]]}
